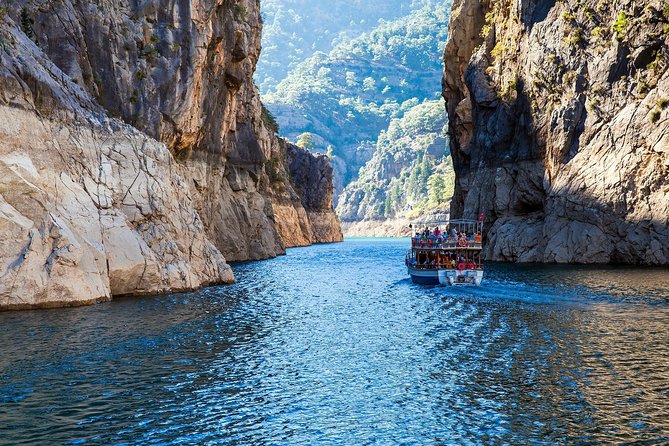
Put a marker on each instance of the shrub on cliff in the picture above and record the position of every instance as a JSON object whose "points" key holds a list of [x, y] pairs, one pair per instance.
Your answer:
{"points": [[621, 25], [27, 23], [269, 120]]}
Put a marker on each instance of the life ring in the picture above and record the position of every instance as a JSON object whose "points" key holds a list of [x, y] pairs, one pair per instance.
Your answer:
{"points": [[429, 243], [462, 242], [461, 266], [422, 243]]}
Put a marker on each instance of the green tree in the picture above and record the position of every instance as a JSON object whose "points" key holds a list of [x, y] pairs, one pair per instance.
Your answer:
{"points": [[27, 24], [306, 141], [388, 208], [436, 190]]}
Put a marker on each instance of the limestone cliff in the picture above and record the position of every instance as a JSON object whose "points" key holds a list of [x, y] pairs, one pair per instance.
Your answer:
{"points": [[93, 206], [560, 127]]}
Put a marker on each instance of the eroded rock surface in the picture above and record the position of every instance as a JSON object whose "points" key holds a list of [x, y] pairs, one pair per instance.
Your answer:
{"points": [[91, 206], [560, 128]]}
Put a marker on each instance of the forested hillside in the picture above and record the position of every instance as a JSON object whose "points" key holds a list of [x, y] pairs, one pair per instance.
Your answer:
{"points": [[293, 30], [346, 97], [410, 172]]}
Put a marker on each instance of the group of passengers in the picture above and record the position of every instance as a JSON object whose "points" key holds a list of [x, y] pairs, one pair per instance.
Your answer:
{"points": [[437, 238], [426, 260]]}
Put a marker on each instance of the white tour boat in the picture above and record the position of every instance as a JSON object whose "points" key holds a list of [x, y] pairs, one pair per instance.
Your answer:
{"points": [[446, 253]]}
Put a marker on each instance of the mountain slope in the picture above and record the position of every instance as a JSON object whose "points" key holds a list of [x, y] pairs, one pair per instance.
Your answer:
{"points": [[348, 96], [293, 30], [410, 172]]}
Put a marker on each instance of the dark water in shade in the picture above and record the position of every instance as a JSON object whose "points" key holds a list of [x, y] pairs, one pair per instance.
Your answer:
{"points": [[334, 345]]}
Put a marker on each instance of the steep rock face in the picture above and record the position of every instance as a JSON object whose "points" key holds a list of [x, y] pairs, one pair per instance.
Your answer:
{"points": [[92, 207], [89, 207], [560, 128], [313, 179], [182, 73]]}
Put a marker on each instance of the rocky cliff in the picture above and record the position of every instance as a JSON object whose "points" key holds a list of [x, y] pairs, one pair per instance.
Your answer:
{"points": [[134, 152], [560, 127]]}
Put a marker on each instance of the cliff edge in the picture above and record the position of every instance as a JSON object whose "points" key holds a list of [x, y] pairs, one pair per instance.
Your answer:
{"points": [[136, 157], [559, 125]]}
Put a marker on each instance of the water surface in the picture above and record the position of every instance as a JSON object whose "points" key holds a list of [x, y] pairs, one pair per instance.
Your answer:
{"points": [[333, 344]]}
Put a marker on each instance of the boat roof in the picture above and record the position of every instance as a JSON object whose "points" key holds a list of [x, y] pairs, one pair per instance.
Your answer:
{"points": [[445, 222]]}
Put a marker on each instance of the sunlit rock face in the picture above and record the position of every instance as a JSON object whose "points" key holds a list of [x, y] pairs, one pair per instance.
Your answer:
{"points": [[133, 152], [559, 119]]}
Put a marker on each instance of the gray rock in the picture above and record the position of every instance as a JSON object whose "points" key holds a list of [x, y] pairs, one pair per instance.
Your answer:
{"points": [[558, 136]]}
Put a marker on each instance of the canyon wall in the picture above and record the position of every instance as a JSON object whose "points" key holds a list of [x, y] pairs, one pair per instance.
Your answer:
{"points": [[559, 126], [136, 155]]}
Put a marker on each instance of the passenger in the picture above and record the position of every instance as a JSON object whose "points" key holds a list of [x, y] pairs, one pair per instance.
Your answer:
{"points": [[453, 263], [472, 265], [454, 233], [437, 232]]}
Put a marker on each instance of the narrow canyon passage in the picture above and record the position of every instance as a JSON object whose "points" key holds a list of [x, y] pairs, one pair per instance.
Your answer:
{"points": [[334, 345]]}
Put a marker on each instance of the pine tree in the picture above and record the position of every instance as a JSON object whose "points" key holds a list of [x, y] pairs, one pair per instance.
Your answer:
{"points": [[27, 24], [388, 208], [436, 187], [306, 141]]}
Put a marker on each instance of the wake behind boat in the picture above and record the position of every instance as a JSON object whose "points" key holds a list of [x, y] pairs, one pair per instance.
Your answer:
{"points": [[448, 254]]}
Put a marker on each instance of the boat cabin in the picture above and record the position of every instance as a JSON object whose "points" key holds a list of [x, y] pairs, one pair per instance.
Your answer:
{"points": [[456, 244]]}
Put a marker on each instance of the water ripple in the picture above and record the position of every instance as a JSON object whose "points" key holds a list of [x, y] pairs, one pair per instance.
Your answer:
{"points": [[334, 345]]}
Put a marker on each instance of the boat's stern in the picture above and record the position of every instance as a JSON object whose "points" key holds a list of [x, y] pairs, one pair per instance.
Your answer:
{"points": [[457, 277]]}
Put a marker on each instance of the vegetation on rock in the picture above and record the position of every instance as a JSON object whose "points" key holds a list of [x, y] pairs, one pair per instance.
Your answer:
{"points": [[27, 23]]}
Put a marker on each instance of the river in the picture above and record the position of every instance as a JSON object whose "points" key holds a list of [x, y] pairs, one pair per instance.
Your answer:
{"points": [[333, 344]]}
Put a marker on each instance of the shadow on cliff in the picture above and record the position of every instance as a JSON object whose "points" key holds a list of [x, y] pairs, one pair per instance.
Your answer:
{"points": [[508, 174]]}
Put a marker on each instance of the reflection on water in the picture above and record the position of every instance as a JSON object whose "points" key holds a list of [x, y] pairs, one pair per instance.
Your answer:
{"points": [[334, 345]]}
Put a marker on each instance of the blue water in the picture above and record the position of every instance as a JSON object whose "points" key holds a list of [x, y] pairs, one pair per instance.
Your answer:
{"points": [[333, 344]]}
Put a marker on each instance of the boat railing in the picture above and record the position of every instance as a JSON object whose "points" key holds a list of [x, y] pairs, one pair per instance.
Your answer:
{"points": [[448, 242], [437, 266]]}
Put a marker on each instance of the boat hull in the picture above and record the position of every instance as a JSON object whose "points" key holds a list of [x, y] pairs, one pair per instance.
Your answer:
{"points": [[446, 276]]}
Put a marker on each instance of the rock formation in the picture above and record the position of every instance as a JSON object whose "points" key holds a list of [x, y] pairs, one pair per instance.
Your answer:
{"points": [[559, 124], [134, 154]]}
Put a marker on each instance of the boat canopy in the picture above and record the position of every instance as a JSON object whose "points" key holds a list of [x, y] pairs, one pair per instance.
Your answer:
{"points": [[447, 225]]}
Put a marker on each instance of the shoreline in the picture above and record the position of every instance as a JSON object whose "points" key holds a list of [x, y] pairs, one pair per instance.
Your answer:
{"points": [[55, 304]]}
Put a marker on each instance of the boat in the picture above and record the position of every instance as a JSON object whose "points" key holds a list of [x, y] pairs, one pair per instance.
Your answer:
{"points": [[446, 252]]}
